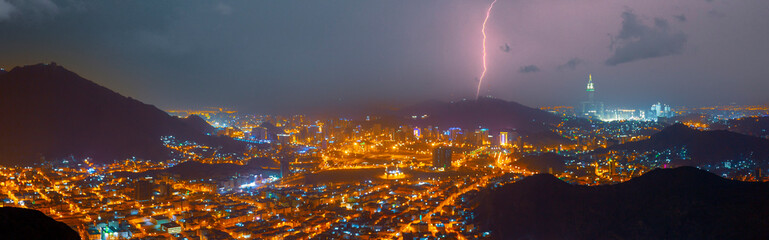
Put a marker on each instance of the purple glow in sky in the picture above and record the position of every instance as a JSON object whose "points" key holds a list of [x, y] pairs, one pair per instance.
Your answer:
{"points": [[267, 56]]}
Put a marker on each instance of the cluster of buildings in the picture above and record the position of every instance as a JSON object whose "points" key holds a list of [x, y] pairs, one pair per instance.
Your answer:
{"points": [[331, 178], [595, 109]]}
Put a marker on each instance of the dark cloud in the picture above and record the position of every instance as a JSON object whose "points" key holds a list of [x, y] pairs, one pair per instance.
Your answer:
{"points": [[680, 18], [6, 9], [716, 14], [571, 64], [529, 69], [637, 41], [505, 48], [26, 8]]}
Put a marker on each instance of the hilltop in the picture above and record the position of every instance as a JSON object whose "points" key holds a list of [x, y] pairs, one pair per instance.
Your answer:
{"points": [[50, 112]]}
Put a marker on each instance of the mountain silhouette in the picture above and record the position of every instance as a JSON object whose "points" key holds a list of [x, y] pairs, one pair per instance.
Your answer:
{"points": [[754, 126], [22, 223], [494, 114], [49, 113], [200, 124], [680, 203], [705, 147]]}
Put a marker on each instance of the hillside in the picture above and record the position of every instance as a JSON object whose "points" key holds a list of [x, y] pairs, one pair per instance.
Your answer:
{"points": [[22, 223], [681, 203], [705, 147], [49, 112], [495, 114]]}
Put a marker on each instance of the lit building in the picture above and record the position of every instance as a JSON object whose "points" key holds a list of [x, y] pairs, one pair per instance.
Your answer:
{"points": [[503, 137], [620, 114], [285, 166], [258, 133], [171, 227], [143, 190], [592, 108], [661, 110], [442, 157]]}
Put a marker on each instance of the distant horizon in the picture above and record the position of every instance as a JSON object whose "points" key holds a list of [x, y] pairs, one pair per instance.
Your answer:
{"points": [[384, 104]]}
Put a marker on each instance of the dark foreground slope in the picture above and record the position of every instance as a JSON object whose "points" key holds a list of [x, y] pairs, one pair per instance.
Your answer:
{"points": [[681, 203], [21, 223], [49, 112]]}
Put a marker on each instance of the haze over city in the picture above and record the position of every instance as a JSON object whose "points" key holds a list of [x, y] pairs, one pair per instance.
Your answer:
{"points": [[403, 120]]}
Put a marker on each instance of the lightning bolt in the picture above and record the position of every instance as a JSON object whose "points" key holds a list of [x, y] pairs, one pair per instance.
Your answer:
{"points": [[483, 31]]}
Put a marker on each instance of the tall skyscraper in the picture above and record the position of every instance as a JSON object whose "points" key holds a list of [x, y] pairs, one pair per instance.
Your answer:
{"points": [[285, 167], [592, 108], [662, 110], [590, 89], [285, 158], [503, 136], [442, 157], [143, 190]]}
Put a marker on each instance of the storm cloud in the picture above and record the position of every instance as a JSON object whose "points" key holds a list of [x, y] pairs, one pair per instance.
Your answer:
{"points": [[637, 41], [505, 48], [27, 9], [571, 64], [528, 69], [6, 9]]}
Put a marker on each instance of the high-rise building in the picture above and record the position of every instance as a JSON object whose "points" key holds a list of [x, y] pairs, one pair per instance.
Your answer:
{"points": [[503, 137], [661, 110], [285, 167], [285, 162], [485, 137], [592, 108], [442, 157], [143, 190]]}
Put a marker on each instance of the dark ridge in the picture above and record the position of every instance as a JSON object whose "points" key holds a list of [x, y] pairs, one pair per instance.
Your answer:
{"points": [[491, 113], [486, 112], [676, 130], [753, 126], [198, 123], [22, 223], [543, 181], [680, 203], [705, 147], [682, 175], [51, 113]]}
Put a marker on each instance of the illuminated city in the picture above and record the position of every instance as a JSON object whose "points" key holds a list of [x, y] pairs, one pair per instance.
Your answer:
{"points": [[332, 125]]}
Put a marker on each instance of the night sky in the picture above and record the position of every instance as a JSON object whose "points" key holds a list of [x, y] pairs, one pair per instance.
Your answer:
{"points": [[277, 56]]}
